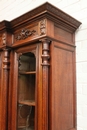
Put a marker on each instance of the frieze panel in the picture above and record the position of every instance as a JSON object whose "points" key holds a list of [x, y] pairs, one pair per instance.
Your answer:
{"points": [[24, 33]]}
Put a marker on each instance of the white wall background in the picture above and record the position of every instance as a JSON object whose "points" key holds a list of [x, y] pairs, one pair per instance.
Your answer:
{"points": [[10, 9]]}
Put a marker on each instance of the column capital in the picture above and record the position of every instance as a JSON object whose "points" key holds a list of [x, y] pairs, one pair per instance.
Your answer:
{"points": [[45, 52]]}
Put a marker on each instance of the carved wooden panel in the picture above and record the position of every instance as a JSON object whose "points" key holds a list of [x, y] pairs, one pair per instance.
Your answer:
{"points": [[26, 33], [63, 35], [62, 90]]}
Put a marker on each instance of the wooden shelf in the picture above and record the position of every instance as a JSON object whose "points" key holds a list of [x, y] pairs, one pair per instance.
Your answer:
{"points": [[24, 127], [27, 102], [21, 127], [27, 72]]}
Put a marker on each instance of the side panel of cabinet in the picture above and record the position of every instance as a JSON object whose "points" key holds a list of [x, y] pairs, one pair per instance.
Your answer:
{"points": [[62, 87]]}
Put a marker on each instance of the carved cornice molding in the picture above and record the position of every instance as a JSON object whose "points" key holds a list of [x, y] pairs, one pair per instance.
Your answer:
{"points": [[62, 15], [5, 25], [49, 10], [46, 10], [29, 15], [25, 33]]}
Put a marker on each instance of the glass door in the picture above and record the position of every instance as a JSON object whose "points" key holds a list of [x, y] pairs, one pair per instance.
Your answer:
{"points": [[26, 92]]}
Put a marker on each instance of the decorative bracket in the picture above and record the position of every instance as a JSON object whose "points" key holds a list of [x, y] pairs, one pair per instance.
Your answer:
{"points": [[25, 33]]}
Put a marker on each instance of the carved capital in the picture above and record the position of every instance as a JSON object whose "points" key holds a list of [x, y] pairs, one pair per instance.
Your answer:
{"points": [[6, 61], [25, 33], [45, 52]]}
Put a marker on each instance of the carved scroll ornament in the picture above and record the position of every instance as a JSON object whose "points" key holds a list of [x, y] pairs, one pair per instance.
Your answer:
{"points": [[25, 33]]}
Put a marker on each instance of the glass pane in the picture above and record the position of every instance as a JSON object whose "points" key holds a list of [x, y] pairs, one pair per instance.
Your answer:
{"points": [[26, 92]]}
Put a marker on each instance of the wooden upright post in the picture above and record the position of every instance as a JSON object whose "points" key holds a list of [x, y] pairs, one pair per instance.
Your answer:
{"points": [[4, 89], [45, 71]]}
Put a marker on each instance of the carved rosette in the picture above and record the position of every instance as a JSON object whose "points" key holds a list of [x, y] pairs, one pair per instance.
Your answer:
{"points": [[4, 39], [45, 52], [25, 33], [6, 61], [42, 27]]}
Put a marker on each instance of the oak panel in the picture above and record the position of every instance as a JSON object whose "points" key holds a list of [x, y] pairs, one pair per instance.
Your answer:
{"points": [[63, 35], [62, 90]]}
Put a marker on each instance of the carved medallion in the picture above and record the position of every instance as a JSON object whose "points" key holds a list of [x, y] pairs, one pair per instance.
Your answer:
{"points": [[4, 39], [25, 33], [43, 27]]}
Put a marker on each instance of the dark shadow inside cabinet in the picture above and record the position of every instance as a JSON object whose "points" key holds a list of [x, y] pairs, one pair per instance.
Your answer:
{"points": [[26, 92]]}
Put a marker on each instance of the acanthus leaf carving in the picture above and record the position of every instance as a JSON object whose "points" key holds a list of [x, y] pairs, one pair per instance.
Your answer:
{"points": [[25, 33]]}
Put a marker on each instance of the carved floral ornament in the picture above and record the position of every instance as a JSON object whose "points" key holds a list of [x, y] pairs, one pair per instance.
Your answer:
{"points": [[43, 27], [4, 39], [25, 33]]}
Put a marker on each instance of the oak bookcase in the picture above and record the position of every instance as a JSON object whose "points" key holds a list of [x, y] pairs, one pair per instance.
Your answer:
{"points": [[37, 71]]}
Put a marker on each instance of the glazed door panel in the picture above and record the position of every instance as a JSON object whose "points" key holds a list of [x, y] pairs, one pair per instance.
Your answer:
{"points": [[24, 98]]}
